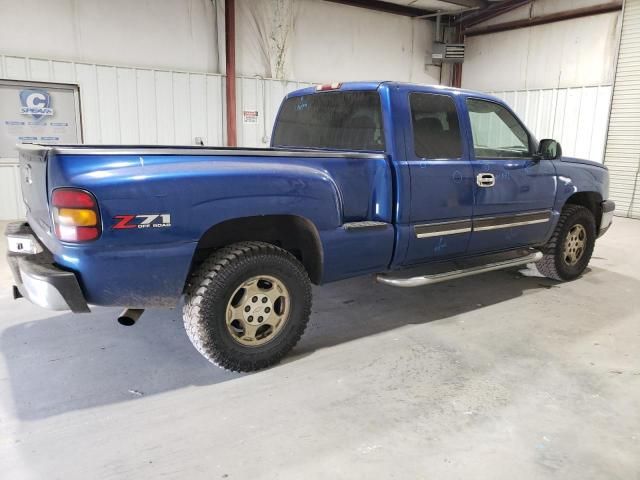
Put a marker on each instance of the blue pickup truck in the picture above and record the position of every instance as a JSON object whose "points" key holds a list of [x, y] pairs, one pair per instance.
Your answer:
{"points": [[414, 184]]}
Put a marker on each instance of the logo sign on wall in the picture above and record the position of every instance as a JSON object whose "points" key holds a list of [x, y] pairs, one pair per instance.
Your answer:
{"points": [[35, 102], [38, 112]]}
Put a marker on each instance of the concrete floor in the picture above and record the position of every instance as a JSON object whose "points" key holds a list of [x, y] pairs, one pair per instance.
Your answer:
{"points": [[499, 376]]}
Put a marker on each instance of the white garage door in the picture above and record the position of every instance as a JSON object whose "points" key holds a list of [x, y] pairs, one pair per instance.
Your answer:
{"points": [[622, 154]]}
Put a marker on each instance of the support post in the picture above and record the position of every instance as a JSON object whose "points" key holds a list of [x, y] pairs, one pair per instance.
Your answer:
{"points": [[230, 50], [457, 67]]}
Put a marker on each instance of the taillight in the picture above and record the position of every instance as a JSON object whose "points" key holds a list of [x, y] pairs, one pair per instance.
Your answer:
{"points": [[75, 215]]}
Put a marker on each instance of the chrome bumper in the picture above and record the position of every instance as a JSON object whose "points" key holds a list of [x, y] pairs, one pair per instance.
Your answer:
{"points": [[608, 208], [38, 279]]}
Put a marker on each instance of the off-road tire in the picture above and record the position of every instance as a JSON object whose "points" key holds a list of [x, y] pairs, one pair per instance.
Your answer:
{"points": [[553, 265], [210, 289]]}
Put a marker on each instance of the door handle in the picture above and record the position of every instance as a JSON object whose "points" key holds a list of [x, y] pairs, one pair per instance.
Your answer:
{"points": [[485, 180]]}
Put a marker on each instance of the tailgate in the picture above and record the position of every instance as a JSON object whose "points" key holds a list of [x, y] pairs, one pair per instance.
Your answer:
{"points": [[33, 173]]}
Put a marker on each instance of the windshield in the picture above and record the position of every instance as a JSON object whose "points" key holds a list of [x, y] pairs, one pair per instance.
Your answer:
{"points": [[332, 120]]}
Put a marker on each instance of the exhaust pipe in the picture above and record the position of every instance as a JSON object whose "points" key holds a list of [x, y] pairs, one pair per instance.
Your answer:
{"points": [[130, 316]]}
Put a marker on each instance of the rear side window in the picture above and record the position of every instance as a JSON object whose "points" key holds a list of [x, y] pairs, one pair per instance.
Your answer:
{"points": [[335, 120], [436, 131], [497, 133]]}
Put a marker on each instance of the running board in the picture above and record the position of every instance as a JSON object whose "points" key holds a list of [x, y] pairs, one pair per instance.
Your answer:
{"points": [[421, 280]]}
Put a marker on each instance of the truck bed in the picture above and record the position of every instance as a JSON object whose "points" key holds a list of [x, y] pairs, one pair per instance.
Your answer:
{"points": [[188, 190]]}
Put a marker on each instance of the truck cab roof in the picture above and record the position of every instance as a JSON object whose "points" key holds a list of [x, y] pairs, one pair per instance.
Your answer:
{"points": [[375, 85]]}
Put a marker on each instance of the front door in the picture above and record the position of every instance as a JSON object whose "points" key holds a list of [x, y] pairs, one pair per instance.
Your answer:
{"points": [[441, 179], [514, 193]]}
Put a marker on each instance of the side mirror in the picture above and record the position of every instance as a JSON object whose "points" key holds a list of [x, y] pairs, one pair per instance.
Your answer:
{"points": [[549, 149]]}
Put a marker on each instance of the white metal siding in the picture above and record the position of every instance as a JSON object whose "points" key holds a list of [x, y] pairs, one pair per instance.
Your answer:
{"points": [[623, 140], [138, 105], [126, 105], [134, 105], [576, 117], [11, 206]]}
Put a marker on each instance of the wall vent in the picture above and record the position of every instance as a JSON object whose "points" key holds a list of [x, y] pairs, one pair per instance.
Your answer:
{"points": [[447, 53]]}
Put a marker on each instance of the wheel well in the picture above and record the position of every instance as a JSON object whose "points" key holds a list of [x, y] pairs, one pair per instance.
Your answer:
{"points": [[295, 234], [590, 200]]}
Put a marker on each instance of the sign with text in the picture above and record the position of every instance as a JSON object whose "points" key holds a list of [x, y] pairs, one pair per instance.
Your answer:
{"points": [[250, 116], [34, 112]]}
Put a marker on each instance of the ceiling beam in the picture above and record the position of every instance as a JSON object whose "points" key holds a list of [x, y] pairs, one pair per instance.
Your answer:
{"points": [[469, 3], [544, 19], [386, 7], [494, 10]]}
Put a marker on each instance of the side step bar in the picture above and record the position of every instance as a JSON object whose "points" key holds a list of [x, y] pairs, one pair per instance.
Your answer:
{"points": [[419, 281]]}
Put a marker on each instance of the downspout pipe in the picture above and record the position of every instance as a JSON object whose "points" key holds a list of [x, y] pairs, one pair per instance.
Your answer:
{"points": [[230, 50]]}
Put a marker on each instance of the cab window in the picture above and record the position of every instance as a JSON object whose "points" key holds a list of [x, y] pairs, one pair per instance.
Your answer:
{"points": [[436, 131], [496, 132], [331, 120]]}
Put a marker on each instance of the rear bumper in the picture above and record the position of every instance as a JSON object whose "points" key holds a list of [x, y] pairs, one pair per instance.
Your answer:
{"points": [[39, 280], [608, 207]]}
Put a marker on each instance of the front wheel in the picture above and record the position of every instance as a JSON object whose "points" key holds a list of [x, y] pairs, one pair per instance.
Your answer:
{"points": [[247, 306], [569, 250]]}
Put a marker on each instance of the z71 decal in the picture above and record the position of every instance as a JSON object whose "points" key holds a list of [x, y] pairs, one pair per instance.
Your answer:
{"points": [[156, 220]]}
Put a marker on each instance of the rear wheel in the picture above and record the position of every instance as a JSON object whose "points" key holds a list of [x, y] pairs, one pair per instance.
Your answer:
{"points": [[569, 250], [247, 306]]}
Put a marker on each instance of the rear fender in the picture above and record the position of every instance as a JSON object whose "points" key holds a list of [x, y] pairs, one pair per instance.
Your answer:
{"points": [[310, 194]]}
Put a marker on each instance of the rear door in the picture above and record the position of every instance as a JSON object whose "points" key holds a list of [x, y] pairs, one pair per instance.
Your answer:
{"points": [[441, 178], [514, 193]]}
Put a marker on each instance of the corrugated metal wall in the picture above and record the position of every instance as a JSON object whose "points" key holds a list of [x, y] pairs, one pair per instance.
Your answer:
{"points": [[623, 140], [139, 105], [11, 205], [134, 105], [576, 117], [124, 105]]}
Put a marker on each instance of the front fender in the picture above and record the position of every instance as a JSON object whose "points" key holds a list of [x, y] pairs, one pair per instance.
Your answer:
{"points": [[579, 177]]}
